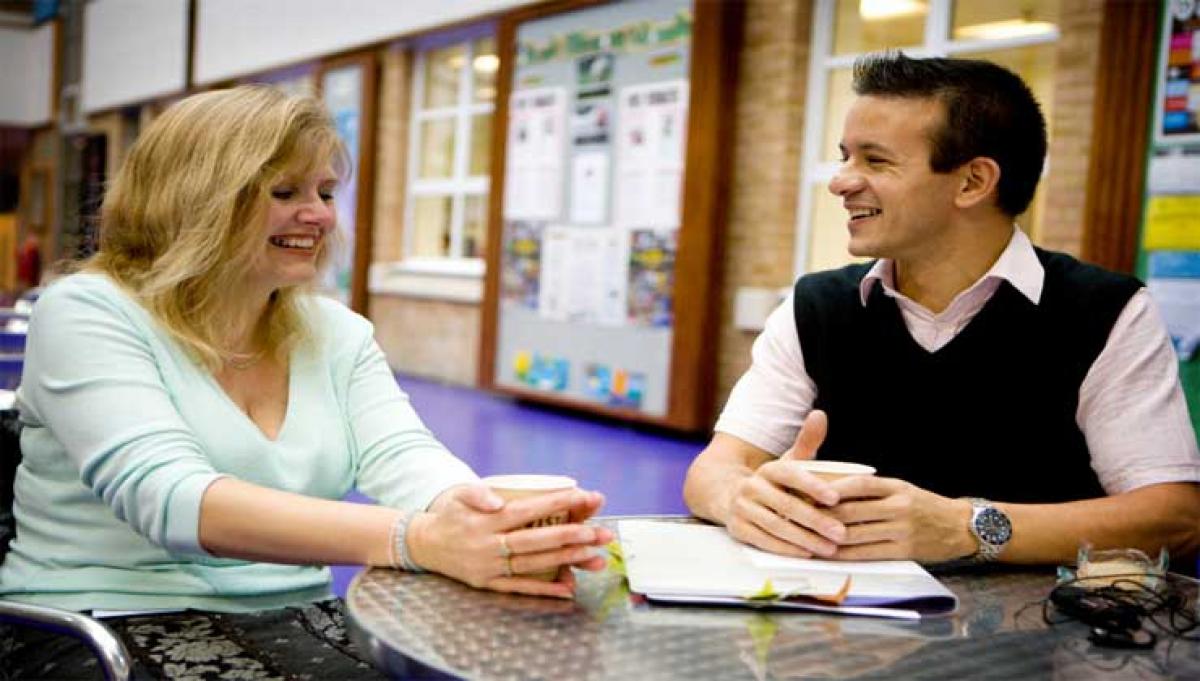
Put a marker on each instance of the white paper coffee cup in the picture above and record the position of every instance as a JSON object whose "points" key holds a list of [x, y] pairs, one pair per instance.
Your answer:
{"points": [[523, 486]]}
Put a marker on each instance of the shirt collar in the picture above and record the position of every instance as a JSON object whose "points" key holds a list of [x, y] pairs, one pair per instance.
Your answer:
{"points": [[1018, 264]]}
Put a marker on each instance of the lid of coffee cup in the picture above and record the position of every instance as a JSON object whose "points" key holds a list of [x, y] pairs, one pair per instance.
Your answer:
{"points": [[529, 481], [836, 467]]}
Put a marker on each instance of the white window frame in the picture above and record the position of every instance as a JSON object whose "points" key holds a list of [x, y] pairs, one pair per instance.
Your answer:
{"points": [[938, 43], [459, 185]]}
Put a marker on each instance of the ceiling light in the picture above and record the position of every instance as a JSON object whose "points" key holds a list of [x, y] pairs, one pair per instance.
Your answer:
{"points": [[879, 10], [486, 63], [1011, 28]]}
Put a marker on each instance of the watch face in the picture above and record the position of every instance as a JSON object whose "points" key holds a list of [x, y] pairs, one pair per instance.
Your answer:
{"points": [[993, 526]]}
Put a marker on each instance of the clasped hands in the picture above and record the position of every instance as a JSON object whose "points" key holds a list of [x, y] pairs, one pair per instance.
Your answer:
{"points": [[471, 534], [784, 509]]}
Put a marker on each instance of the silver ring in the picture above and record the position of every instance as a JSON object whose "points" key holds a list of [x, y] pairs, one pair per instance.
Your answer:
{"points": [[505, 552]]}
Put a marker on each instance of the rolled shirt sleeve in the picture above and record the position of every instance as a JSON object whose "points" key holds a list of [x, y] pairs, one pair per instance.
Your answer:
{"points": [[1132, 409], [770, 401]]}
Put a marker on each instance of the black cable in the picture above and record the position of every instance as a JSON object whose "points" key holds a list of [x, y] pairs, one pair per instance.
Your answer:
{"points": [[1117, 611]]}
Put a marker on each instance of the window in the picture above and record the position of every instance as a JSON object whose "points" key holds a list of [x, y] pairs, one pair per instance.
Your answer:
{"points": [[1018, 34], [454, 90]]}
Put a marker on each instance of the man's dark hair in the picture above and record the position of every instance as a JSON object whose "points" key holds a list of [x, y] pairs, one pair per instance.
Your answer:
{"points": [[990, 112]]}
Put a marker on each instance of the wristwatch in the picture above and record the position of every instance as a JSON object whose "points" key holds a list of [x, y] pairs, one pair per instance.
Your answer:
{"points": [[991, 528]]}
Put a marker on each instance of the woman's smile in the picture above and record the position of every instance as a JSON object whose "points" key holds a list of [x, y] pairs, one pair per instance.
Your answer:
{"points": [[306, 244]]}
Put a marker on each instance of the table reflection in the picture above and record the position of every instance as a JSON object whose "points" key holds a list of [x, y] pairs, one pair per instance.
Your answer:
{"points": [[608, 633]]}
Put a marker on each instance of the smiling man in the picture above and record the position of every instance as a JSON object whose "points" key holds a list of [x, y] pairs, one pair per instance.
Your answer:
{"points": [[1016, 402]]}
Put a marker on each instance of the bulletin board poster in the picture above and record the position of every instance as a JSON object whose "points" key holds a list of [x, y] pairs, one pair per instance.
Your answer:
{"points": [[1177, 109], [594, 164], [1169, 246], [343, 89]]}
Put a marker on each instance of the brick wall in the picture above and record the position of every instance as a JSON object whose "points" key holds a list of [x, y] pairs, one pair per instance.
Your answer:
{"points": [[761, 231], [391, 157], [1065, 184], [430, 338]]}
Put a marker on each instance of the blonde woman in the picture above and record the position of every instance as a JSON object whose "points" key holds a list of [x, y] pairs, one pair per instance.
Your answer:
{"points": [[193, 414]]}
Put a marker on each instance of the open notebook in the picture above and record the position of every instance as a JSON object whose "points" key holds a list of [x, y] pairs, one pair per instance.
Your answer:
{"points": [[684, 563]]}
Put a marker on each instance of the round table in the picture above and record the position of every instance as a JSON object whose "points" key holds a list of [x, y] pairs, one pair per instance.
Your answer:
{"points": [[430, 626]]}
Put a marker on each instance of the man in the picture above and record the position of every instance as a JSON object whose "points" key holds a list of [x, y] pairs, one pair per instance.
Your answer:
{"points": [[1015, 402]]}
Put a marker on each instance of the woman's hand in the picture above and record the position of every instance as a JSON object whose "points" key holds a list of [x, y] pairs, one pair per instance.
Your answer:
{"points": [[468, 531]]}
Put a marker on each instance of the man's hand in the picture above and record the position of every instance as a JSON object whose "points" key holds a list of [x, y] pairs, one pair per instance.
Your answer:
{"points": [[774, 508], [890, 519]]}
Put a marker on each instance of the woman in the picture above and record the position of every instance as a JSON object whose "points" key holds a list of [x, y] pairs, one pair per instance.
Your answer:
{"points": [[193, 414]]}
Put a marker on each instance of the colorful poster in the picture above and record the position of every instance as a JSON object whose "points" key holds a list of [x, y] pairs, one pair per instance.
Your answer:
{"points": [[1177, 109], [617, 388], [533, 185], [652, 277], [650, 142], [343, 98], [521, 264], [542, 371], [1172, 223]]}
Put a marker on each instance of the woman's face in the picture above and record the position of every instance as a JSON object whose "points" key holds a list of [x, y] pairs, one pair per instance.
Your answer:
{"points": [[300, 215]]}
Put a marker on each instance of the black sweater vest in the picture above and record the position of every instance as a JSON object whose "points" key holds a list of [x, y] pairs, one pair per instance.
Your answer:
{"points": [[990, 414]]}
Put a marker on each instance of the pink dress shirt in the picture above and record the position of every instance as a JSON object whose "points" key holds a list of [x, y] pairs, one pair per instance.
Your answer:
{"points": [[1131, 407]]}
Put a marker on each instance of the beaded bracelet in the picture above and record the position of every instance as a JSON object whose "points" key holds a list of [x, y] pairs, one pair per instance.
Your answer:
{"points": [[398, 553]]}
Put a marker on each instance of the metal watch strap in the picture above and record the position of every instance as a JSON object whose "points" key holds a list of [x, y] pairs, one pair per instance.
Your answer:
{"points": [[985, 550]]}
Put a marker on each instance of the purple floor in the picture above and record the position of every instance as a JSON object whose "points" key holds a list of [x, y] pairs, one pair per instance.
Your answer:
{"points": [[638, 471]]}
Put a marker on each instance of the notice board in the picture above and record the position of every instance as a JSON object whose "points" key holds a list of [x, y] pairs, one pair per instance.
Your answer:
{"points": [[1169, 245], [610, 153]]}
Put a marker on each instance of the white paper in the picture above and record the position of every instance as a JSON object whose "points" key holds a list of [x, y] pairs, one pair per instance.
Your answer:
{"points": [[589, 188], [650, 142], [702, 563], [584, 275], [533, 185], [774, 561], [1175, 173]]}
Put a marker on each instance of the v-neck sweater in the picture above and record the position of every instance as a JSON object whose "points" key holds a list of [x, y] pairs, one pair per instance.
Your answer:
{"points": [[124, 431]]}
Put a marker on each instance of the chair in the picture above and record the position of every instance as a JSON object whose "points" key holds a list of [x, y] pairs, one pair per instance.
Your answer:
{"points": [[114, 659]]}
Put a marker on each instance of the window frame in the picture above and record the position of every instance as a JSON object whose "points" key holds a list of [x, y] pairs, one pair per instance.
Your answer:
{"points": [[460, 185], [937, 43]]}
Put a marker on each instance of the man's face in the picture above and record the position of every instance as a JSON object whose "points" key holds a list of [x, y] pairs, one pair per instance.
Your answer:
{"points": [[898, 207]]}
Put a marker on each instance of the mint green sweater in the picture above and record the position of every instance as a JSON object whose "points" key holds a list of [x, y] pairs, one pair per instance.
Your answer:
{"points": [[124, 432]]}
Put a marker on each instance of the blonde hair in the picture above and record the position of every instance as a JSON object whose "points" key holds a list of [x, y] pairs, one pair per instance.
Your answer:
{"points": [[182, 220]]}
